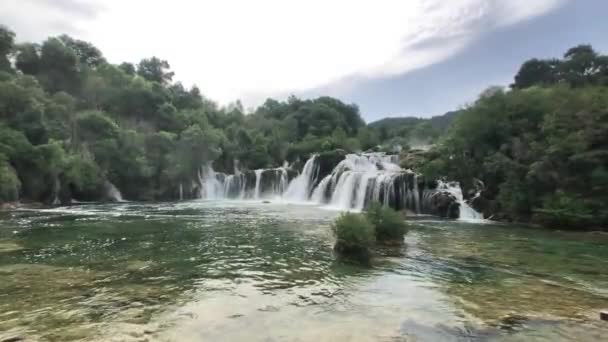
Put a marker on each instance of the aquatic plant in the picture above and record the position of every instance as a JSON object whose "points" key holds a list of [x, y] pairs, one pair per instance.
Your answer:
{"points": [[389, 224], [354, 235]]}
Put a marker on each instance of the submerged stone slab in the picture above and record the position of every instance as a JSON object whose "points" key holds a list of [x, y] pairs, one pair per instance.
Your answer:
{"points": [[9, 246]]}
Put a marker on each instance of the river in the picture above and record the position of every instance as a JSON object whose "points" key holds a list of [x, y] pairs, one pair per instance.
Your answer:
{"points": [[253, 271]]}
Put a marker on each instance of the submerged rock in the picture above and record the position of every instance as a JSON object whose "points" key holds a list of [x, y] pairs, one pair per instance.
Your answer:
{"points": [[9, 246], [13, 339], [512, 321], [139, 265]]}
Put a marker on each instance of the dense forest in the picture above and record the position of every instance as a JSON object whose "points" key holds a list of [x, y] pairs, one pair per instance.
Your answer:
{"points": [[538, 151], [71, 123]]}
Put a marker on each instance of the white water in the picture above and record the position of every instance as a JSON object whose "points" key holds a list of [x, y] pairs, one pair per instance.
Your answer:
{"points": [[210, 186], [113, 192], [56, 189], [359, 179], [355, 182], [466, 212], [300, 187], [258, 179]]}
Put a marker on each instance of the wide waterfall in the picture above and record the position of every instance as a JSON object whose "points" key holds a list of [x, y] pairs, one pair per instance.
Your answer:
{"points": [[257, 184], [352, 183], [360, 179]]}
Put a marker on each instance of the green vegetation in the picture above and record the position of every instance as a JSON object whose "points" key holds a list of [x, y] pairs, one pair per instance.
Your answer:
{"points": [[70, 121], [354, 234], [410, 132], [389, 225], [541, 148]]}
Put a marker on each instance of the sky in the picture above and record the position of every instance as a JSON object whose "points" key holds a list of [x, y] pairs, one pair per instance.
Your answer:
{"points": [[392, 58]]}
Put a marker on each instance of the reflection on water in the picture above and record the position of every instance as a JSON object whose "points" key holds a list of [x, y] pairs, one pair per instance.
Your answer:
{"points": [[195, 271]]}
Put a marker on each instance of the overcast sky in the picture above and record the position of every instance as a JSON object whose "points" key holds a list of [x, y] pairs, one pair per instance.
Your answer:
{"points": [[392, 58]]}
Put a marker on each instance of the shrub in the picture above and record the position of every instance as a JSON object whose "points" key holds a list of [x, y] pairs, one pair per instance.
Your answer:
{"points": [[9, 182], [389, 224], [354, 234], [564, 210]]}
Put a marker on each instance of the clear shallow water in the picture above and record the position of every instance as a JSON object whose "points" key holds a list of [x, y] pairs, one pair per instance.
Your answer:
{"points": [[226, 271]]}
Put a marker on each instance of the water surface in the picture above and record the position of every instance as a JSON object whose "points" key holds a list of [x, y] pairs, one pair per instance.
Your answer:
{"points": [[226, 271]]}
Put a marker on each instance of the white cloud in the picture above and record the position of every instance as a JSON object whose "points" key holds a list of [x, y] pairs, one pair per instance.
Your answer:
{"points": [[244, 48]]}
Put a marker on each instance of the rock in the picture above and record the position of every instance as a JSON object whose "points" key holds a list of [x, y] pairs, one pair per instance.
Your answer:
{"points": [[604, 315], [9, 206], [269, 308], [13, 339], [266, 202], [328, 160], [512, 321], [139, 265], [444, 204], [9, 246]]}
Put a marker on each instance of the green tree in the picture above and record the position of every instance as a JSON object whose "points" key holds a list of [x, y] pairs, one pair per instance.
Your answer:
{"points": [[7, 41], [155, 70]]}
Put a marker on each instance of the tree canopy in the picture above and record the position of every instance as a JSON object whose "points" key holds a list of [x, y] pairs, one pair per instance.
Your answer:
{"points": [[70, 119]]}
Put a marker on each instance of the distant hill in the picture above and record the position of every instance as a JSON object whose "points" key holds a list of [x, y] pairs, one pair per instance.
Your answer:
{"points": [[439, 122], [442, 122], [393, 122]]}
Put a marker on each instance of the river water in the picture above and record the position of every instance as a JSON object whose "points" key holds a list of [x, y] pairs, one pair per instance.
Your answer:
{"points": [[249, 271]]}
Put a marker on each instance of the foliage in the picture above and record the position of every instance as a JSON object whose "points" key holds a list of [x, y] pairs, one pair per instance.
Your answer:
{"points": [[354, 233], [9, 182], [563, 210], [71, 119], [581, 66], [405, 132], [389, 224], [541, 149]]}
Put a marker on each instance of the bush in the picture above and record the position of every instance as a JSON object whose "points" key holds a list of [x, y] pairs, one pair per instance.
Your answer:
{"points": [[9, 182], [354, 234], [564, 210], [389, 224]]}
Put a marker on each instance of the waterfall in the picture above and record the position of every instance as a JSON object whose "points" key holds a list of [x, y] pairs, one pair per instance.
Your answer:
{"points": [[181, 192], [466, 212], [300, 188], [242, 185], [359, 179], [354, 183], [113, 193], [209, 185], [258, 179], [56, 189]]}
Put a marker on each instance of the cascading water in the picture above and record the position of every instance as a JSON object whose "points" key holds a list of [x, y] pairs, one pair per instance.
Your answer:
{"points": [[56, 189], [209, 185], [360, 179], [112, 192], [300, 188], [258, 179], [453, 188], [354, 183], [255, 184]]}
